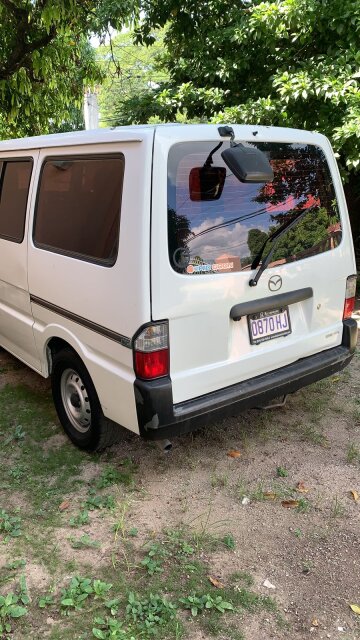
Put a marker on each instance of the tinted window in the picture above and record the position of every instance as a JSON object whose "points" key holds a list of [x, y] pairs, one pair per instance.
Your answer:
{"points": [[78, 207], [225, 234], [15, 181]]}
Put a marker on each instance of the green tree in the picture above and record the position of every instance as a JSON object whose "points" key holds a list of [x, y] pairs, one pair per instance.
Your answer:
{"points": [[279, 62], [46, 59], [131, 71]]}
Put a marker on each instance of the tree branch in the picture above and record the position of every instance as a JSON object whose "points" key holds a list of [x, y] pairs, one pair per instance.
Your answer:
{"points": [[22, 51], [10, 6]]}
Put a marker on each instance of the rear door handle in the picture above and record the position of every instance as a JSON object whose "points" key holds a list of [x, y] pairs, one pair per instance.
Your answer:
{"points": [[272, 302]]}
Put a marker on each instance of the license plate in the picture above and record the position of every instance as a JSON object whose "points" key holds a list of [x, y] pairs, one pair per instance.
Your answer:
{"points": [[268, 325]]}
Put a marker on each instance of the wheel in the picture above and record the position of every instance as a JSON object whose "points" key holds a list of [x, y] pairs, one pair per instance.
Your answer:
{"points": [[77, 404]]}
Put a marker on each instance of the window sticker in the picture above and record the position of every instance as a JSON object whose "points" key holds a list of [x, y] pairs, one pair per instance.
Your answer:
{"points": [[213, 268], [181, 257]]}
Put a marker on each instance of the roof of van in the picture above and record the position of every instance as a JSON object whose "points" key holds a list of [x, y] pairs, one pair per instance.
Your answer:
{"points": [[137, 133], [92, 136]]}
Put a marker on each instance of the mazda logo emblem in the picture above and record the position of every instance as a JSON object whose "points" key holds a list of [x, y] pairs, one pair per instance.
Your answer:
{"points": [[275, 283]]}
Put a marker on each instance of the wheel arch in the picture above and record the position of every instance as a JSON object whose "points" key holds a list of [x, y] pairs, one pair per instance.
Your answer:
{"points": [[54, 342]]}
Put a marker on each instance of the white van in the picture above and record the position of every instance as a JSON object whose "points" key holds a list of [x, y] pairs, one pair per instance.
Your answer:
{"points": [[167, 275]]}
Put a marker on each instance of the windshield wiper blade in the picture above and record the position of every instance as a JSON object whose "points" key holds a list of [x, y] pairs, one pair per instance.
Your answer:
{"points": [[273, 238]]}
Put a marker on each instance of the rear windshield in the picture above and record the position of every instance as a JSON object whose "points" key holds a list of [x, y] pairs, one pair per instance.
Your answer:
{"points": [[226, 234]]}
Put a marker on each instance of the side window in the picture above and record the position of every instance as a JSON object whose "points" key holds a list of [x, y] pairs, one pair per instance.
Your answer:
{"points": [[78, 207], [14, 190]]}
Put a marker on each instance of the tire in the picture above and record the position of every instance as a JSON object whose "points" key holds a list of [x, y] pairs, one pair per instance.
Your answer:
{"points": [[77, 404]]}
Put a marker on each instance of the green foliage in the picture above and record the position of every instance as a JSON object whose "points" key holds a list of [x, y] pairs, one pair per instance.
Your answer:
{"points": [[13, 606], [130, 70], [229, 541], [303, 506], [10, 608], [110, 629], [46, 60], [110, 476], [76, 593], [149, 612], [277, 62], [144, 616], [9, 525], [15, 564], [94, 501], [352, 453], [17, 435], [45, 601], [198, 604], [281, 472], [154, 559], [80, 519], [84, 542], [79, 590]]}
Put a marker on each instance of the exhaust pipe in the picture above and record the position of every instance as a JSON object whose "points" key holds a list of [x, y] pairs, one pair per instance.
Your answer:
{"points": [[164, 445]]}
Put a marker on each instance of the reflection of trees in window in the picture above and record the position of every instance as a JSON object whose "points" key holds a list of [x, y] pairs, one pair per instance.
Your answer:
{"points": [[299, 171], [301, 177], [179, 232], [312, 235], [256, 239], [301, 181], [316, 233]]}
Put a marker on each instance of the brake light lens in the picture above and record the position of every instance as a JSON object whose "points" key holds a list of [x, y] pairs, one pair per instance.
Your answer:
{"points": [[151, 352], [349, 304]]}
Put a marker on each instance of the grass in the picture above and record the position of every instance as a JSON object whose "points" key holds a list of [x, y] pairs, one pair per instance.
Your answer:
{"points": [[106, 578], [352, 453], [143, 589], [337, 509], [219, 480]]}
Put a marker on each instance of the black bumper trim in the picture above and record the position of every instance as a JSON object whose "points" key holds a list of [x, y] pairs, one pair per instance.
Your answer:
{"points": [[159, 418]]}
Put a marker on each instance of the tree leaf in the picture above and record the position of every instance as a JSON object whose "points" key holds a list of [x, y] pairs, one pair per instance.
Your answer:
{"points": [[67, 602], [64, 505], [269, 495], [355, 608], [17, 612], [300, 487], [216, 583], [290, 504], [314, 622], [234, 453], [355, 495]]}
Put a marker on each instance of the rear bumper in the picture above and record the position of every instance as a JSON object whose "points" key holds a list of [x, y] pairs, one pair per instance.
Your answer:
{"points": [[159, 418]]}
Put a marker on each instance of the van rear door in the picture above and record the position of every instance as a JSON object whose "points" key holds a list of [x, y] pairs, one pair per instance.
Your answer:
{"points": [[205, 245]]}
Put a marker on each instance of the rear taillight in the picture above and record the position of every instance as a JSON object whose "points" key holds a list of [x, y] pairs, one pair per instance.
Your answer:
{"points": [[151, 352], [349, 304]]}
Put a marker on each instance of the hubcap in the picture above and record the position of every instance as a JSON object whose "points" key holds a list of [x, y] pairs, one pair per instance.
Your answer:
{"points": [[75, 400]]}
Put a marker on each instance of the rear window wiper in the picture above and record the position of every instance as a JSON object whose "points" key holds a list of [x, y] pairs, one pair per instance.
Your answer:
{"points": [[273, 238]]}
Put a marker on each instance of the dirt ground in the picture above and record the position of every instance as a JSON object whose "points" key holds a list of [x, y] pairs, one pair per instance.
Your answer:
{"points": [[309, 554]]}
